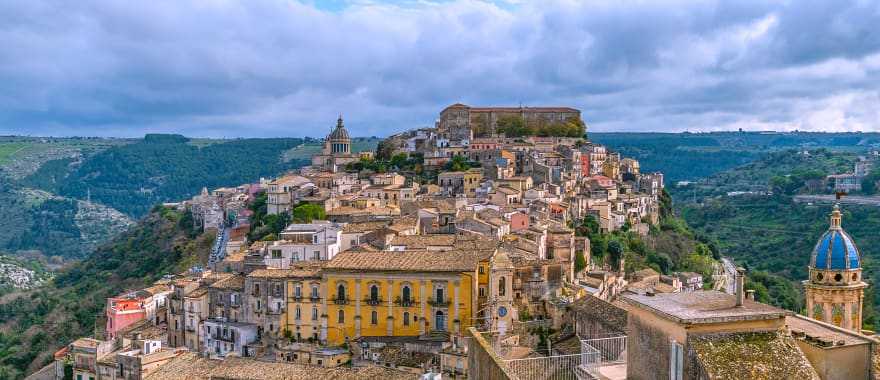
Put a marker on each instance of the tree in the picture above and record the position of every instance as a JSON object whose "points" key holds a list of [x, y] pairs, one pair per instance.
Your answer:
{"points": [[580, 262], [869, 183], [306, 213], [457, 164], [615, 251]]}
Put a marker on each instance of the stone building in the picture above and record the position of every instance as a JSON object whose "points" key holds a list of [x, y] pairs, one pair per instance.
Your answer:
{"points": [[460, 122], [337, 150], [835, 290]]}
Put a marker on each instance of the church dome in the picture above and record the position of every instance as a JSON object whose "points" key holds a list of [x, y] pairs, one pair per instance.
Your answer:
{"points": [[836, 249], [339, 133]]}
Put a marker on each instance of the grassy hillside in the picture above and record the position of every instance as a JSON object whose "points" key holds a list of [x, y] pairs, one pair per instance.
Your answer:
{"points": [[36, 323], [161, 168]]}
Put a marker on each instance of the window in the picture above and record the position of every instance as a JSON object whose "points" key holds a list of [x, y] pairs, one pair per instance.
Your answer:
{"points": [[482, 292], [482, 270], [314, 313], [256, 289], [439, 294], [406, 318], [314, 291], [297, 291], [501, 286], [298, 314], [340, 292], [316, 255], [276, 253], [374, 293], [405, 294], [258, 305], [374, 317], [341, 316]]}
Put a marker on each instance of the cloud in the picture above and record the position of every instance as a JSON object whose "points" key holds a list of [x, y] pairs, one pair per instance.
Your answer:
{"points": [[283, 68]]}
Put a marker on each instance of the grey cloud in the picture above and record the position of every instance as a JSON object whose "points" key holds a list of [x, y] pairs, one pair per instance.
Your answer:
{"points": [[283, 68]]}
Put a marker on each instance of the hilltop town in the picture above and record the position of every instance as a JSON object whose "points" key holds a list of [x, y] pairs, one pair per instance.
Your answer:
{"points": [[459, 251]]}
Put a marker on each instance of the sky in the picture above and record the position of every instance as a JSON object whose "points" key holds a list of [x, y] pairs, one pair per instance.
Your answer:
{"points": [[266, 68]]}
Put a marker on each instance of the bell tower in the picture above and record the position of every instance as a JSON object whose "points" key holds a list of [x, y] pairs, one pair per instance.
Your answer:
{"points": [[501, 310], [835, 290]]}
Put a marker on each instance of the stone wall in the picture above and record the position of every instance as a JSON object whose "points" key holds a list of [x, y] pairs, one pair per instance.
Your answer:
{"points": [[647, 348], [483, 362]]}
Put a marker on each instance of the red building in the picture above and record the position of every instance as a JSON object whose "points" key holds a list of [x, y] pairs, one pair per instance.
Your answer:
{"points": [[122, 312]]}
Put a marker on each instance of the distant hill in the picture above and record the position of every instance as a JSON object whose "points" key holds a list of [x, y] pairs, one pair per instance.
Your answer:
{"points": [[692, 156], [38, 322], [161, 168], [774, 234]]}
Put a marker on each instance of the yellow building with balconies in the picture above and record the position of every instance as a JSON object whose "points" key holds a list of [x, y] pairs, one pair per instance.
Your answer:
{"points": [[409, 293]]}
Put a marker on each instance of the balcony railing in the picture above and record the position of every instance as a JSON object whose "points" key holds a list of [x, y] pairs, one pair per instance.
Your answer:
{"points": [[438, 302], [373, 301], [340, 301], [315, 299], [405, 303]]}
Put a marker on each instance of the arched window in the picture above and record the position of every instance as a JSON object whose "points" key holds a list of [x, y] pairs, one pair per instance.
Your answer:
{"points": [[340, 292], [405, 294], [818, 313], [341, 318], [374, 293], [837, 314], [374, 317], [501, 287], [406, 318]]}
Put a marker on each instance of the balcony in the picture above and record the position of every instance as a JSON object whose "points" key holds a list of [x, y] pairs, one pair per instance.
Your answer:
{"points": [[340, 301], [405, 303], [228, 338], [438, 302], [372, 301], [315, 299], [297, 298]]}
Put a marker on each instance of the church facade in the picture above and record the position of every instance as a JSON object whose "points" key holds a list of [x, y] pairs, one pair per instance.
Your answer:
{"points": [[835, 290]]}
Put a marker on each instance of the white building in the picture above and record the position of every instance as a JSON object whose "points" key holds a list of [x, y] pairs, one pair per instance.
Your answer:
{"points": [[319, 240], [222, 338]]}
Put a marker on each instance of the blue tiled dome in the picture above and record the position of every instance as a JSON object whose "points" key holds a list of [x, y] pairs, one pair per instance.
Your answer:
{"points": [[835, 249]]}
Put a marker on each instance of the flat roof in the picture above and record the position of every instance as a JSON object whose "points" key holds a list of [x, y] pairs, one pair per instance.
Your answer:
{"points": [[822, 330], [702, 307]]}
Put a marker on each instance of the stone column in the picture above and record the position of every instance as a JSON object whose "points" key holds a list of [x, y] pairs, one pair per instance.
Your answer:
{"points": [[390, 302], [357, 308], [456, 286], [423, 300]]}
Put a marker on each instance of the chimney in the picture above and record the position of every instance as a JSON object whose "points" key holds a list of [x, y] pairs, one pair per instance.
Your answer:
{"points": [[740, 285]]}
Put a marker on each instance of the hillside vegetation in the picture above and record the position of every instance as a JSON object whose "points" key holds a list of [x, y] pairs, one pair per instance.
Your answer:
{"points": [[773, 235], [162, 168], [34, 324]]}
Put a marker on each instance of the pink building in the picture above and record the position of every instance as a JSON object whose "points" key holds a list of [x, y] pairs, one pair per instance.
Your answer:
{"points": [[122, 312], [519, 221]]}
